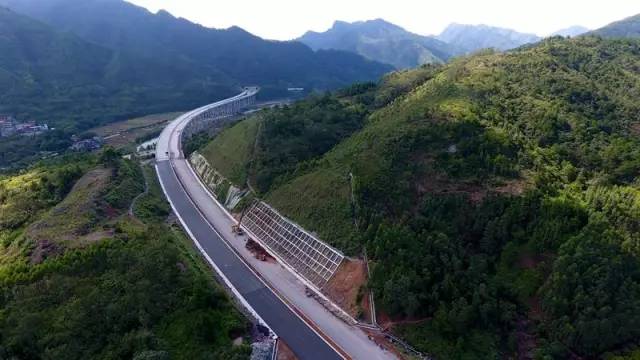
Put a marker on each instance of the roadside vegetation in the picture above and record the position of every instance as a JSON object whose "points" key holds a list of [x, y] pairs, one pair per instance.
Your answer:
{"points": [[232, 152], [80, 279], [497, 196]]}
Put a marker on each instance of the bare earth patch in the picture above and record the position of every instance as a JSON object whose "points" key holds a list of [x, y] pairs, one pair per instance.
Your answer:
{"points": [[527, 338], [97, 236], [512, 187], [123, 133], [344, 286], [379, 339], [366, 309], [258, 251], [437, 183], [73, 218], [284, 353], [44, 249]]}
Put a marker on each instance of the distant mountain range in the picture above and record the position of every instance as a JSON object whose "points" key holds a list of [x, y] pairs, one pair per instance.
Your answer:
{"points": [[385, 42], [476, 37], [382, 41], [571, 31], [155, 62], [82, 62]]}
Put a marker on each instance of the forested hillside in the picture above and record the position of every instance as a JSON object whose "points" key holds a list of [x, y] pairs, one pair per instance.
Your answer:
{"points": [[79, 279], [497, 196], [69, 83], [629, 28]]}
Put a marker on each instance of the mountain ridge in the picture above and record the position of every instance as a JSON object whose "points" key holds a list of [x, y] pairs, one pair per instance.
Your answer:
{"points": [[382, 41], [69, 74], [625, 28]]}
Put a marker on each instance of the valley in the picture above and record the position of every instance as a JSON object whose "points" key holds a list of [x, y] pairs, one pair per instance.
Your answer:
{"points": [[363, 191]]}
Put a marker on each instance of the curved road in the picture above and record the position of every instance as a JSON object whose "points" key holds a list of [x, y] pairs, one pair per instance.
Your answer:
{"points": [[305, 342]]}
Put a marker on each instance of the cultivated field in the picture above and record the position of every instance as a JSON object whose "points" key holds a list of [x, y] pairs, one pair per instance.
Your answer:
{"points": [[123, 133]]}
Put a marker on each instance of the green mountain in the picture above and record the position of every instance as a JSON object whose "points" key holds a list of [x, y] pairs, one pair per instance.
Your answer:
{"points": [[81, 279], [61, 79], [496, 196], [139, 62], [381, 41], [626, 28], [471, 38]]}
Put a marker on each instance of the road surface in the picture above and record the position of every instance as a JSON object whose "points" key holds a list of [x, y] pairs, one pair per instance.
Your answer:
{"points": [[304, 342]]}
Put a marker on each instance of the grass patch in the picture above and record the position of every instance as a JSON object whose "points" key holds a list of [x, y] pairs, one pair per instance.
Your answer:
{"points": [[319, 201], [230, 152]]}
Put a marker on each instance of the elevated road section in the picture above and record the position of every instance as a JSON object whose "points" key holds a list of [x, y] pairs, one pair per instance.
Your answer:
{"points": [[169, 142], [271, 293]]}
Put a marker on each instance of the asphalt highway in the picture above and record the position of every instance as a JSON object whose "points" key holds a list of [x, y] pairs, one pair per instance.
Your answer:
{"points": [[302, 339]]}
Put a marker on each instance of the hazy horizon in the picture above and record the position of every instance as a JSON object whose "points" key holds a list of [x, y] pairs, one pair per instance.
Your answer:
{"points": [[289, 19]]}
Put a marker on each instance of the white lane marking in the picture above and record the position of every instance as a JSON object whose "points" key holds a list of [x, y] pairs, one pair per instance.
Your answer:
{"points": [[338, 352], [204, 253]]}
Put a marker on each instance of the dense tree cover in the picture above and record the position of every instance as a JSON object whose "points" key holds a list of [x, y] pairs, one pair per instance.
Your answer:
{"points": [[141, 293], [276, 144], [301, 132], [124, 298], [496, 196], [592, 294], [70, 83], [484, 264], [20, 151], [555, 115]]}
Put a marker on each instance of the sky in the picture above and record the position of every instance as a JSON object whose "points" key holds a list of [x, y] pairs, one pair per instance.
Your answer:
{"points": [[288, 19]]}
